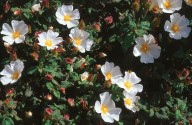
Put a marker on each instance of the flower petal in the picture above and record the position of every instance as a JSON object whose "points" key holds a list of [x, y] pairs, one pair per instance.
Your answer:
{"points": [[6, 29], [107, 118], [8, 39], [20, 39], [72, 23], [97, 107], [5, 80], [114, 113]]}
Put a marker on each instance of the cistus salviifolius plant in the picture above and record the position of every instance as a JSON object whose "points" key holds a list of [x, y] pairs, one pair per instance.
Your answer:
{"points": [[121, 62]]}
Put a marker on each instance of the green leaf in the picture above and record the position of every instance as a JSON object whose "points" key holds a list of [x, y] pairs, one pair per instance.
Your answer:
{"points": [[57, 94], [178, 115], [75, 76], [50, 86], [7, 121], [151, 113], [65, 84], [112, 38], [32, 70]]}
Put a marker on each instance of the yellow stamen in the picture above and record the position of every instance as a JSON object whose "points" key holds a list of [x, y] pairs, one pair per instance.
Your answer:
{"points": [[167, 4], [108, 76], [15, 35], [67, 18], [128, 85], [78, 41], [144, 48], [128, 101], [104, 109], [15, 75], [48, 43], [175, 28]]}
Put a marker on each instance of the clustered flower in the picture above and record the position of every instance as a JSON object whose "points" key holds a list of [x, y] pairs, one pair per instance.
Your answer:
{"points": [[146, 47], [129, 83], [65, 16]]}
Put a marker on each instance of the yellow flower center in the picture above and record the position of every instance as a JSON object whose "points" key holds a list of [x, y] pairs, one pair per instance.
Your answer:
{"points": [[15, 75], [175, 28], [67, 18], [167, 4], [128, 85], [15, 35], [108, 76], [128, 101], [48, 43], [144, 48], [78, 41], [104, 109]]}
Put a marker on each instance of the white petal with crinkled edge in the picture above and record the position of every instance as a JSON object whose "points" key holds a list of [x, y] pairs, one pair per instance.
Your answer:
{"points": [[5, 80]]}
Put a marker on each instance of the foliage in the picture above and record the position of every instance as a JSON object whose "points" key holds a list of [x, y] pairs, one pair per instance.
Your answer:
{"points": [[51, 91]]}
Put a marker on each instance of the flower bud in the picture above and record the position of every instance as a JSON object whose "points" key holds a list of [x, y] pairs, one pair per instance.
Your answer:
{"points": [[36, 7], [62, 89], [66, 116], [97, 26], [109, 19], [71, 101], [35, 56], [17, 12], [49, 111], [84, 76], [84, 104], [10, 92], [48, 77], [101, 55], [6, 7], [69, 60], [28, 114], [48, 97], [97, 67]]}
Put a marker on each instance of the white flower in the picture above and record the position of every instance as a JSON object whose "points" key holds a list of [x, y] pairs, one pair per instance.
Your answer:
{"points": [[16, 33], [178, 26], [80, 39], [84, 76], [188, 2], [11, 73], [169, 6], [129, 83], [49, 39], [130, 100], [67, 16], [147, 48], [36, 7], [110, 72], [107, 108]]}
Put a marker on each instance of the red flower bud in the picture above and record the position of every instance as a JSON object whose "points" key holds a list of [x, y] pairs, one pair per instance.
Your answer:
{"points": [[10, 92], [66, 116], [109, 19], [71, 101], [6, 7], [69, 60], [48, 77], [62, 90], [97, 26], [17, 12], [49, 111], [83, 104]]}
